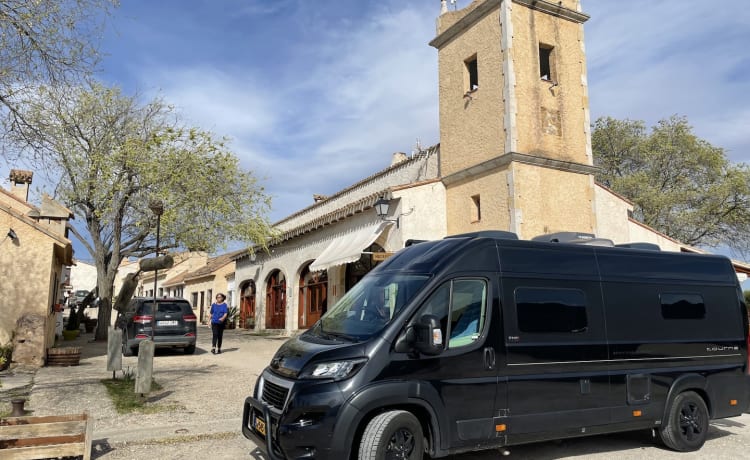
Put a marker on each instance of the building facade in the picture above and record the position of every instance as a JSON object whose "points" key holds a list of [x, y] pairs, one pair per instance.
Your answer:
{"points": [[514, 154], [34, 249]]}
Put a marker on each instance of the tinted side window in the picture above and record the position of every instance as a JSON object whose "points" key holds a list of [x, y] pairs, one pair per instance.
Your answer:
{"points": [[543, 310], [682, 306]]}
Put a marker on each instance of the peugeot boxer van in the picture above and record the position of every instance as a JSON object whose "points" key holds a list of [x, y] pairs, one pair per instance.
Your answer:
{"points": [[483, 341]]}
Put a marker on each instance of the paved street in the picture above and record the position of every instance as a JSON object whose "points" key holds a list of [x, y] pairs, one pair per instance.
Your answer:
{"points": [[201, 403]]}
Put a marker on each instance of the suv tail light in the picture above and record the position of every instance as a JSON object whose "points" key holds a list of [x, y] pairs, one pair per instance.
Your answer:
{"points": [[189, 318], [143, 319]]}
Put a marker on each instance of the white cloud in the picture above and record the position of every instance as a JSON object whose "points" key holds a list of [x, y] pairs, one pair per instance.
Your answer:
{"points": [[649, 60]]}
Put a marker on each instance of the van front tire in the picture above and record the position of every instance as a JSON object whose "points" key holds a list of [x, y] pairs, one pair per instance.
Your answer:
{"points": [[393, 434], [687, 423]]}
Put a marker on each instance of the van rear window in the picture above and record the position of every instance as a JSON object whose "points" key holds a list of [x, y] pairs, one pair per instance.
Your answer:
{"points": [[544, 310], [682, 306]]}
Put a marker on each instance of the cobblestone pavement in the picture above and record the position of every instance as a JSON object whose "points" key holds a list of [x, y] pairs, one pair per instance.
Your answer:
{"points": [[202, 396]]}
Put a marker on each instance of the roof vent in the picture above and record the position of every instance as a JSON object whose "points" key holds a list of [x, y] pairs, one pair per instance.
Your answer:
{"points": [[644, 246], [574, 238], [497, 234]]}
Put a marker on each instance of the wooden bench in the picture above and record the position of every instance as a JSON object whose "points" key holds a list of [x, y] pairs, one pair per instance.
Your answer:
{"points": [[27, 438]]}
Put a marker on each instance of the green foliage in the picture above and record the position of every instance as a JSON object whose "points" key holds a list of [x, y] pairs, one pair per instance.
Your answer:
{"points": [[110, 156], [679, 184], [747, 298], [47, 41], [126, 400], [233, 314], [6, 354]]}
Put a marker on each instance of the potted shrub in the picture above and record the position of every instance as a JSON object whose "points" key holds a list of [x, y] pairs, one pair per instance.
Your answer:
{"points": [[231, 321]]}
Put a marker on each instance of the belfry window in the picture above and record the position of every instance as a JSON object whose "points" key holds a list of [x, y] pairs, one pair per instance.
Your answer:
{"points": [[471, 74], [476, 209], [546, 65]]}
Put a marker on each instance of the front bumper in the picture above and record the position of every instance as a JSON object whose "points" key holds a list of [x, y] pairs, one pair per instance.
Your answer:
{"points": [[254, 410], [303, 429]]}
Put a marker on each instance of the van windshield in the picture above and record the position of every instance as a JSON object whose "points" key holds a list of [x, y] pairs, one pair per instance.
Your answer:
{"points": [[369, 306]]}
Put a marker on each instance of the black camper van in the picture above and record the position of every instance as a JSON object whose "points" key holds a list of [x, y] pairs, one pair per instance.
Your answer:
{"points": [[483, 340]]}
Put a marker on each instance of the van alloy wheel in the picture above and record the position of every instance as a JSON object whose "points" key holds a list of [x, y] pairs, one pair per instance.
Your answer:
{"points": [[401, 445]]}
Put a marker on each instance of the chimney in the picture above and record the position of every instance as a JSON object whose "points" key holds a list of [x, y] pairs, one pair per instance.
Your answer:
{"points": [[19, 183], [443, 7], [398, 157]]}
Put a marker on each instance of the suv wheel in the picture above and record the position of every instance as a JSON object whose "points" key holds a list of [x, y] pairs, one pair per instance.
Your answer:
{"points": [[126, 350], [190, 349]]}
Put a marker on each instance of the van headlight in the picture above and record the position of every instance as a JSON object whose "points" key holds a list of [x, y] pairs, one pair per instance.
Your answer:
{"points": [[259, 388], [336, 370]]}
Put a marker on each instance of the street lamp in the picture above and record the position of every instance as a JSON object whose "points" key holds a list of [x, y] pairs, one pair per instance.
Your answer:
{"points": [[157, 207], [381, 209]]}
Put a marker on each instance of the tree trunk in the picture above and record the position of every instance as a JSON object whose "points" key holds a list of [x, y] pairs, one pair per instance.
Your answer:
{"points": [[105, 315], [105, 283]]}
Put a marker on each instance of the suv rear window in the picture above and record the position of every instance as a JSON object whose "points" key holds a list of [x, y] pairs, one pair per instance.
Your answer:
{"points": [[163, 307]]}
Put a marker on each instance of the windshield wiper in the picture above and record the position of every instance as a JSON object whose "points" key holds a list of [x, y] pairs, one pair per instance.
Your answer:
{"points": [[330, 335], [340, 335]]}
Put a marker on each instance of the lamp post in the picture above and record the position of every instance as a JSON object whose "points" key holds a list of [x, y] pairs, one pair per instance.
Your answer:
{"points": [[157, 207]]}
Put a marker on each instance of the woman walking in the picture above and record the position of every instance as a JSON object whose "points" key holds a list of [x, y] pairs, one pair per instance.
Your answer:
{"points": [[219, 312]]}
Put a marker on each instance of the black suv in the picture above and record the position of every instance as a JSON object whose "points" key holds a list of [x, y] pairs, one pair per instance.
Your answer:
{"points": [[175, 324]]}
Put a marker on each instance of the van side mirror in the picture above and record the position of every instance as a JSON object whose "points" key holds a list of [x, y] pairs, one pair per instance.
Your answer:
{"points": [[429, 335], [425, 336]]}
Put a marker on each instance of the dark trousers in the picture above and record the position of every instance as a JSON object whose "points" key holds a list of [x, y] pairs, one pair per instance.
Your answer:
{"points": [[218, 333]]}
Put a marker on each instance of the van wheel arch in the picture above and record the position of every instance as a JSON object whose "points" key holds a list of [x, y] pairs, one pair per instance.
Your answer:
{"points": [[688, 382]]}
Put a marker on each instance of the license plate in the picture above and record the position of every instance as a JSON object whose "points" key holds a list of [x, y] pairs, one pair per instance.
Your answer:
{"points": [[167, 323], [260, 425]]}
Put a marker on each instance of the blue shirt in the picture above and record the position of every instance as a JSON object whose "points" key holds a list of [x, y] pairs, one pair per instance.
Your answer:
{"points": [[217, 311]]}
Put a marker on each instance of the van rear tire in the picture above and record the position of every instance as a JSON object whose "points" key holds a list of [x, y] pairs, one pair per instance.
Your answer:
{"points": [[687, 423], [397, 433]]}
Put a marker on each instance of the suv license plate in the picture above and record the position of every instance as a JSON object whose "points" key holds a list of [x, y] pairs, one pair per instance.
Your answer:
{"points": [[167, 323], [260, 425]]}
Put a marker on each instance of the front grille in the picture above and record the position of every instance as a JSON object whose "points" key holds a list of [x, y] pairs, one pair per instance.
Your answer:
{"points": [[275, 395]]}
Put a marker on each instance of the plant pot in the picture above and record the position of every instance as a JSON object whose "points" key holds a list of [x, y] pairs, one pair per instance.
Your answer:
{"points": [[64, 356], [71, 334]]}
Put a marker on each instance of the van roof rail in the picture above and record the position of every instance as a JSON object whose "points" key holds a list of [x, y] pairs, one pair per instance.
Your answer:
{"points": [[644, 246], [411, 242], [574, 238], [497, 234]]}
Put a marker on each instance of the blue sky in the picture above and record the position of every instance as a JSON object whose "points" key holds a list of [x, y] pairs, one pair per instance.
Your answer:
{"points": [[317, 94]]}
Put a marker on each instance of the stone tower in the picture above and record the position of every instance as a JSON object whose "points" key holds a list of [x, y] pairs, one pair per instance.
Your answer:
{"points": [[515, 149]]}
